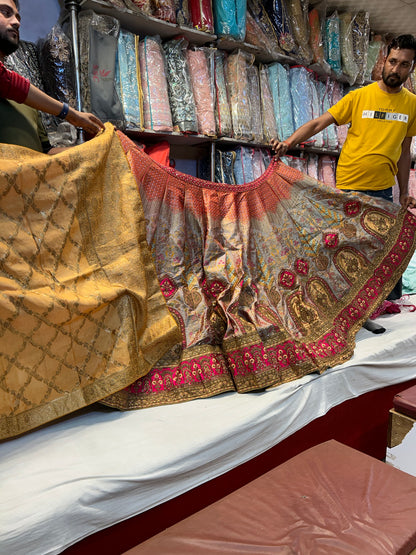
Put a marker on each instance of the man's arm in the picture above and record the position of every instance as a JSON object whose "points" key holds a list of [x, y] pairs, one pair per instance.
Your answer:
{"points": [[302, 134], [403, 170]]}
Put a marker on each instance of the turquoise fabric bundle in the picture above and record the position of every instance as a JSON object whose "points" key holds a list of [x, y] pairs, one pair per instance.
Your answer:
{"points": [[282, 100], [127, 72], [230, 18]]}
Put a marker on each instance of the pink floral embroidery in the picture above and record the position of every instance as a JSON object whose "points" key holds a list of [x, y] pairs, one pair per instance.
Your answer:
{"points": [[287, 279], [352, 207], [167, 287], [331, 240], [302, 267]]}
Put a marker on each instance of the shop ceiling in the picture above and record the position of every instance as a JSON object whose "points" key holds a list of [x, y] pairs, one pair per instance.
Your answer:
{"points": [[386, 16]]}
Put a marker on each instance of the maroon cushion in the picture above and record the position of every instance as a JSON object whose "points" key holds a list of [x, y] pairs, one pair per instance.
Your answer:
{"points": [[330, 499], [405, 402]]}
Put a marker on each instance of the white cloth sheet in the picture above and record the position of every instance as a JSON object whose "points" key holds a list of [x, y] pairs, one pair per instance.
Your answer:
{"points": [[91, 470]]}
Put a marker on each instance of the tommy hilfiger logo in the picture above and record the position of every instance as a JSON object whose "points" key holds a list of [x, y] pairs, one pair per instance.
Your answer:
{"points": [[387, 116]]}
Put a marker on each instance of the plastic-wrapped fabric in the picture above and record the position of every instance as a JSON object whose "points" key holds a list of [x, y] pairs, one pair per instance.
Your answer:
{"points": [[318, 138], [57, 66], [202, 87], [378, 66], [243, 165], [230, 18], [298, 16], [297, 163], [341, 130], [316, 40], [349, 67], [361, 31], [201, 15], [267, 157], [332, 42], [165, 10], [258, 162], [299, 78], [268, 38], [98, 37], [255, 103], [156, 109], [238, 93], [257, 36], [182, 15], [375, 46], [413, 148], [312, 166], [282, 100], [128, 78], [224, 166], [26, 63], [327, 170], [142, 6], [181, 96], [276, 9], [267, 106], [325, 92], [222, 107]]}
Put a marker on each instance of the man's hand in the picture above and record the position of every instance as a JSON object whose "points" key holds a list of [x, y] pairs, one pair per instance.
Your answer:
{"points": [[279, 147], [407, 202], [90, 123]]}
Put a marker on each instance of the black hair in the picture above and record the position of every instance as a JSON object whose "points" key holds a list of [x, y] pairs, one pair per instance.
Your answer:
{"points": [[407, 42]]}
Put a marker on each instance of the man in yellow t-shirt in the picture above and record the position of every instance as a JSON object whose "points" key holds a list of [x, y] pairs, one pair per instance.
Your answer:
{"points": [[382, 118]]}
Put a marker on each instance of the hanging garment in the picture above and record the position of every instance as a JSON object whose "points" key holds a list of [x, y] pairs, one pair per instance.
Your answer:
{"points": [[98, 36], [238, 93], [128, 79], [268, 281], [156, 109], [198, 60], [222, 107], [82, 315], [181, 96], [57, 66], [26, 63]]}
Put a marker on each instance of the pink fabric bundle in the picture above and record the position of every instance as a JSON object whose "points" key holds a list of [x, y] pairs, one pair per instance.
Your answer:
{"points": [[156, 108], [327, 170], [201, 86]]}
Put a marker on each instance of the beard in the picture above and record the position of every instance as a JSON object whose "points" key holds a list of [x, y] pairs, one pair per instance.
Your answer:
{"points": [[393, 80], [7, 45]]}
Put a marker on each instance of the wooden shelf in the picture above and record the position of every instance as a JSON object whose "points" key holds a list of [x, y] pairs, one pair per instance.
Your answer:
{"points": [[142, 24], [173, 138]]}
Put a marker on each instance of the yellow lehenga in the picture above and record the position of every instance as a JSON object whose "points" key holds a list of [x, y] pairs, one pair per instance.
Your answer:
{"points": [[81, 312]]}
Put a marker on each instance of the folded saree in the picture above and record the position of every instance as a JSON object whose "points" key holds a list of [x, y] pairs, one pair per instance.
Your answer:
{"points": [[268, 281], [81, 312]]}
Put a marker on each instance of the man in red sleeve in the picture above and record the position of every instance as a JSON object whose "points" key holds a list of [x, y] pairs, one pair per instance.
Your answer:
{"points": [[19, 100]]}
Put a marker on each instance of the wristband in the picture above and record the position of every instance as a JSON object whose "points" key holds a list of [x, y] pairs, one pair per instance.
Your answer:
{"points": [[64, 112]]}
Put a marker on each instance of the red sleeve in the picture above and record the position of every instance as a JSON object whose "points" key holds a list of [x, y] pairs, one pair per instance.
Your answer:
{"points": [[12, 85]]}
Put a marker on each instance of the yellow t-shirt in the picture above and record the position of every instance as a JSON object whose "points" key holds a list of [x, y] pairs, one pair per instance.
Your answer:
{"points": [[379, 123]]}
